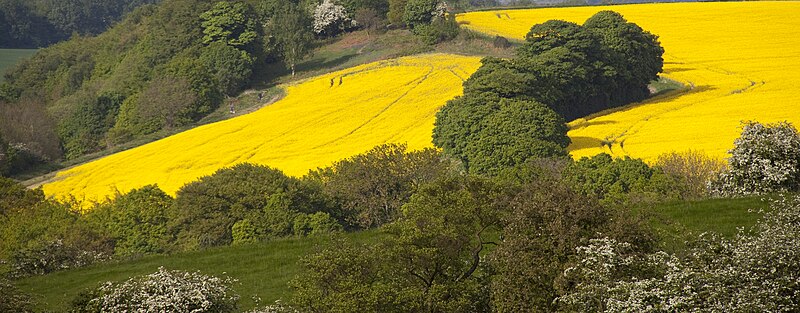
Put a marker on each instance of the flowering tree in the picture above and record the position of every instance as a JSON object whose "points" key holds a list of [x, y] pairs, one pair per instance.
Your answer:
{"points": [[166, 291], [758, 271], [330, 19], [766, 158]]}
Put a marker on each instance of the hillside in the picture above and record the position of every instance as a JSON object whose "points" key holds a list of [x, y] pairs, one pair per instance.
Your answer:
{"points": [[317, 123], [740, 61]]}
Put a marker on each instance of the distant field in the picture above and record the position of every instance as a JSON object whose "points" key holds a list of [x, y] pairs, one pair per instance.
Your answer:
{"points": [[740, 60], [318, 122], [9, 57]]}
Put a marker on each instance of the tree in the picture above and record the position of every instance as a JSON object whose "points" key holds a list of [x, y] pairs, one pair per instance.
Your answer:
{"points": [[430, 261], [292, 35], [230, 67], [165, 103], [422, 12], [371, 187], [230, 23], [368, 19], [397, 9], [137, 221], [15, 197], [765, 158], [330, 19]]}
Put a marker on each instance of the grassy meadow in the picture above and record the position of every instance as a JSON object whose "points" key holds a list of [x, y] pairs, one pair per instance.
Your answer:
{"points": [[321, 120], [739, 60], [9, 57]]}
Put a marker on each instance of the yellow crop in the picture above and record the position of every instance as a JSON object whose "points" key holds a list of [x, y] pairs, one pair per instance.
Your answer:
{"points": [[393, 101], [740, 59]]}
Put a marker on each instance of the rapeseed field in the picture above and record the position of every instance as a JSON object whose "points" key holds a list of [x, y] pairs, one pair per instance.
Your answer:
{"points": [[739, 61], [321, 120]]}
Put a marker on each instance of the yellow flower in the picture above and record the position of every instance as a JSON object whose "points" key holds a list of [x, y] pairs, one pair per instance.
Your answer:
{"points": [[317, 123]]}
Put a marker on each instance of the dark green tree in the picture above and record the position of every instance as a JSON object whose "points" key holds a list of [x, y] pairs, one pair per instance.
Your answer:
{"points": [[230, 23], [291, 29]]}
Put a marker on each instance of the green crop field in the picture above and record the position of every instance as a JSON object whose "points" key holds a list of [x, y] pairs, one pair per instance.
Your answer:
{"points": [[9, 57]]}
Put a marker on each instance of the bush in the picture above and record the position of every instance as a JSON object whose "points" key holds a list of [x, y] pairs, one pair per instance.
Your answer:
{"points": [[439, 30], [315, 224], [765, 158], [13, 300], [164, 291], [693, 170], [758, 271], [47, 257]]}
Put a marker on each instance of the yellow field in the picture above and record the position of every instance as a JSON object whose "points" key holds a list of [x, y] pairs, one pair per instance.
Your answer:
{"points": [[741, 60], [392, 101]]}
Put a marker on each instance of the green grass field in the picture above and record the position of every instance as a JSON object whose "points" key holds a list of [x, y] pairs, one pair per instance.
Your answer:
{"points": [[9, 57], [264, 269]]}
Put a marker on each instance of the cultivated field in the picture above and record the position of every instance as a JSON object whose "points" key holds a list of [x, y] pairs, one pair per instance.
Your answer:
{"points": [[318, 122], [739, 60]]}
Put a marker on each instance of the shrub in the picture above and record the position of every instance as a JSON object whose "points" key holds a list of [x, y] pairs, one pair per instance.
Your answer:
{"points": [[13, 300], [439, 30], [47, 257], [758, 271], [165, 291], [315, 224], [765, 158], [692, 169]]}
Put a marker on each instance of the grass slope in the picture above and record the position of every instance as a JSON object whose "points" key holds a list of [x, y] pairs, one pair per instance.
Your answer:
{"points": [[317, 123], [9, 57], [263, 270], [741, 61]]}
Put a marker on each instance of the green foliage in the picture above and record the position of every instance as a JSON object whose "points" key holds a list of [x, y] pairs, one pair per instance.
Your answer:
{"points": [[371, 187], [319, 223], [243, 232], [229, 23], [692, 169], [488, 133], [137, 221], [13, 300], [430, 261], [207, 209], [292, 34], [546, 222], [570, 69], [419, 12], [397, 11], [439, 30], [619, 180], [15, 197]]}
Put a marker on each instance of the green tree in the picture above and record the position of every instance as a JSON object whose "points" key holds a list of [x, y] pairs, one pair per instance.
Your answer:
{"points": [[137, 221], [371, 187], [15, 197], [397, 9], [291, 29], [230, 67], [421, 12], [230, 23]]}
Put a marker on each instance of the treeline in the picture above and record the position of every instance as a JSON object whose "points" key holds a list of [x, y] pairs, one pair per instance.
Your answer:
{"points": [[513, 110], [528, 239], [166, 66], [40, 23]]}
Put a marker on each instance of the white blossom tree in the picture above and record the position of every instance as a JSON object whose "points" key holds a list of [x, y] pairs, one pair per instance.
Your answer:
{"points": [[331, 19]]}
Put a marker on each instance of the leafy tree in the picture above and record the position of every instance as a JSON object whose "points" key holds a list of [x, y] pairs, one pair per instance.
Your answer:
{"points": [[207, 209], [488, 133], [397, 9], [230, 67], [292, 35], [14, 300], [165, 103], [368, 19], [229, 23], [619, 180], [422, 12], [765, 158], [371, 187], [430, 261], [15, 197], [137, 221], [692, 170], [546, 222], [315, 224]]}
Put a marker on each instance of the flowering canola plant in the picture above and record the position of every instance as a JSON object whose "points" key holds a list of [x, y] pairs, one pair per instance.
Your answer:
{"points": [[318, 122], [739, 60]]}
